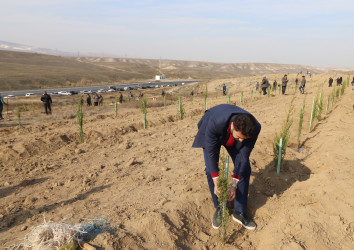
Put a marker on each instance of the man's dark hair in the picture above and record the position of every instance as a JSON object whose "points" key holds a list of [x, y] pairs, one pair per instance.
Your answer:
{"points": [[246, 124]]}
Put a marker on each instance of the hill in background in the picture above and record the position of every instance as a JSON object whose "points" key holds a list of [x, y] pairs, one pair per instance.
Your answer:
{"points": [[19, 70]]}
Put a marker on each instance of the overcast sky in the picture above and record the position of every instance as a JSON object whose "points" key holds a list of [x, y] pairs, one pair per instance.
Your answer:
{"points": [[308, 32]]}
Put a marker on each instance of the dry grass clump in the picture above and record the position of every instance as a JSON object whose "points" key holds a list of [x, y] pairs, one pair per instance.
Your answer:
{"points": [[49, 236]]}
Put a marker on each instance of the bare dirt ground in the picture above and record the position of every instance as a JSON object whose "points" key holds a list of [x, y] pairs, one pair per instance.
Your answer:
{"points": [[151, 183]]}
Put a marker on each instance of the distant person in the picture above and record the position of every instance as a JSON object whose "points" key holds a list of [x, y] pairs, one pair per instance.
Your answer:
{"points": [[296, 81], [2, 103], [192, 93], [131, 95], [338, 81], [330, 82], [100, 100], [224, 89], [47, 102], [95, 99], [141, 95], [120, 98], [341, 80], [257, 86], [353, 81], [310, 74], [275, 84], [284, 83], [302, 86], [163, 93], [264, 85], [88, 100]]}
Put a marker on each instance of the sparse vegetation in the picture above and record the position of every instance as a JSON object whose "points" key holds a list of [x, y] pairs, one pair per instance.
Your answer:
{"points": [[284, 134], [180, 108], [206, 97], [19, 116], [301, 120], [116, 107], [144, 111], [313, 113], [327, 104], [337, 93], [80, 118], [342, 88], [319, 107]]}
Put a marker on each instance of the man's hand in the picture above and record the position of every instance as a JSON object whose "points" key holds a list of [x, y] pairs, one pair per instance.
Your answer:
{"points": [[232, 191]]}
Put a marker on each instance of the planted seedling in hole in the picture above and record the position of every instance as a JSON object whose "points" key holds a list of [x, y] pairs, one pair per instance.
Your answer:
{"points": [[313, 113], [144, 111], [19, 116], [116, 107], [301, 120], [284, 134], [80, 117], [223, 197], [180, 108], [206, 97], [319, 108]]}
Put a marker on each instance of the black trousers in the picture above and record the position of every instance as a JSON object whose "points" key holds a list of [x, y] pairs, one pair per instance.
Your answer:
{"points": [[302, 89], [1, 111], [264, 90], [47, 108], [283, 88]]}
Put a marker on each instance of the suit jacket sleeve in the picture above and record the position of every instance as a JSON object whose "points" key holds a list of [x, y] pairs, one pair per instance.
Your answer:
{"points": [[212, 147]]}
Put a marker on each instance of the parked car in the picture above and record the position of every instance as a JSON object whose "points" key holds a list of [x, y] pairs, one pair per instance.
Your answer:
{"points": [[53, 93], [111, 90], [74, 92], [86, 91], [29, 94], [126, 88], [64, 93], [9, 96], [101, 91]]}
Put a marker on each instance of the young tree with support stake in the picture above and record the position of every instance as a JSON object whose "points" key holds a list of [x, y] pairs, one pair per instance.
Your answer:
{"points": [[280, 141]]}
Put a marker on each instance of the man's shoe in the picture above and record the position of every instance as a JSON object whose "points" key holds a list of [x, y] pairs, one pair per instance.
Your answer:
{"points": [[244, 220], [215, 221]]}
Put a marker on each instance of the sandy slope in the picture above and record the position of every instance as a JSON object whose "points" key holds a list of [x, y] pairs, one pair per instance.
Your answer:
{"points": [[151, 183]]}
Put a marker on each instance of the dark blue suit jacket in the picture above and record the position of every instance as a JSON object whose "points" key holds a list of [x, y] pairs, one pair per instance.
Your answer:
{"points": [[212, 134]]}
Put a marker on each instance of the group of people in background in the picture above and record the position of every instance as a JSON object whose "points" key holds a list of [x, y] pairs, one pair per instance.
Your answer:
{"points": [[265, 85], [97, 100]]}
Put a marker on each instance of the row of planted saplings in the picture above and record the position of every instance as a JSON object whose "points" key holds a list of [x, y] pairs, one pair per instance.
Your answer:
{"points": [[284, 134], [143, 107], [281, 138]]}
